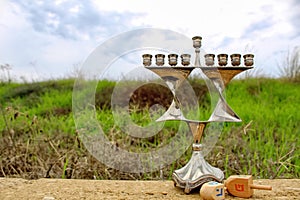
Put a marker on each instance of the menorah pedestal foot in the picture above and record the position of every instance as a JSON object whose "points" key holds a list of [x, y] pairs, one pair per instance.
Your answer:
{"points": [[195, 173]]}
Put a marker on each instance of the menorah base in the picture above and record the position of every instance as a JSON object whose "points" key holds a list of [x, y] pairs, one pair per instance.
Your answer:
{"points": [[195, 173]]}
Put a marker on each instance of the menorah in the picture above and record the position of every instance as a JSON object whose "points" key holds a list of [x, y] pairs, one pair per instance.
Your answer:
{"points": [[197, 171]]}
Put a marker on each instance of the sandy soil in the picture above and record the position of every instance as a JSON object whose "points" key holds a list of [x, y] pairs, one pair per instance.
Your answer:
{"points": [[50, 189]]}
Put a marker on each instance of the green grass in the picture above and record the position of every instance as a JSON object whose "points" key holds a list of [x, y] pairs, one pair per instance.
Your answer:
{"points": [[37, 129], [270, 128]]}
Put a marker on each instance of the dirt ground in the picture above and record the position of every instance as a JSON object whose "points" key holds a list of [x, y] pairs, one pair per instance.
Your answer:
{"points": [[53, 189]]}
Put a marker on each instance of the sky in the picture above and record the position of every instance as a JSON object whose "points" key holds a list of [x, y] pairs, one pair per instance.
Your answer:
{"points": [[52, 38]]}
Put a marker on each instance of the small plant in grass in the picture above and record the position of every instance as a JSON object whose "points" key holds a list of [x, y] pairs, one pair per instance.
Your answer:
{"points": [[65, 167], [5, 76], [290, 67]]}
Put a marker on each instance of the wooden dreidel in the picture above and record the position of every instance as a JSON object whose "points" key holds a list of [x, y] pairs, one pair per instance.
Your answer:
{"points": [[242, 186], [212, 191]]}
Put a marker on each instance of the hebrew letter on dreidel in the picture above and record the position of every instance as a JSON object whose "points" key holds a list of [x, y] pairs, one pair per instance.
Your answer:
{"points": [[219, 192], [239, 187]]}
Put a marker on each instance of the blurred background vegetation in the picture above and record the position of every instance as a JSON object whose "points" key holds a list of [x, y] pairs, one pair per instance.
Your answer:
{"points": [[39, 139]]}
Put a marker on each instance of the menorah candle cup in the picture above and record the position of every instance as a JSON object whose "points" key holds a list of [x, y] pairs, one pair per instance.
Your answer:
{"points": [[235, 59], [172, 59], [197, 41], [209, 59], [160, 59], [248, 60], [222, 59], [212, 191], [185, 59], [147, 59]]}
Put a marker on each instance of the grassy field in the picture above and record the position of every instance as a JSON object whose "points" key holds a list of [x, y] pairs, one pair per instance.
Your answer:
{"points": [[39, 139]]}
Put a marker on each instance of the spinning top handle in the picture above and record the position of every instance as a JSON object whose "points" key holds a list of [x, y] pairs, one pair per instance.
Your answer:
{"points": [[261, 187]]}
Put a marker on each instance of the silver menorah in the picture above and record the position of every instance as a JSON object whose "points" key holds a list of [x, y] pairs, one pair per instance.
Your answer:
{"points": [[198, 171]]}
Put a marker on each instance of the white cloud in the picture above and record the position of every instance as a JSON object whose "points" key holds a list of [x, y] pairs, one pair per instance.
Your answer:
{"points": [[53, 35], [259, 27], [57, 34]]}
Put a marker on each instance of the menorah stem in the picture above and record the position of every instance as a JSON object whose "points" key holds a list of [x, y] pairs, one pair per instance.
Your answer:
{"points": [[197, 129], [197, 45], [197, 59]]}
